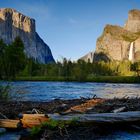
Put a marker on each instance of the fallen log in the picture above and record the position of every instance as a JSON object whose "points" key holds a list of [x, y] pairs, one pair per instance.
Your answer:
{"points": [[25, 121], [121, 109], [31, 120], [6, 123], [32, 116], [82, 108], [99, 118]]}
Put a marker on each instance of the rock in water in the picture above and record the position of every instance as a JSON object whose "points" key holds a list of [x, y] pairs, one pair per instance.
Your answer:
{"points": [[13, 24]]}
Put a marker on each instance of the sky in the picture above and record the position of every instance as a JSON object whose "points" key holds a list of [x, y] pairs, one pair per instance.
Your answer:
{"points": [[71, 27]]}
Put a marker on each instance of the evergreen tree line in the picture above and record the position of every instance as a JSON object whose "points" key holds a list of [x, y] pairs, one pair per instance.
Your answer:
{"points": [[82, 70], [14, 63], [12, 59]]}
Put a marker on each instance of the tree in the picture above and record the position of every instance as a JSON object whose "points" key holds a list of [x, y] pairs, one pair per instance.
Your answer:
{"points": [[79, 70], [15, 58], [2, 60], [136, 68]]}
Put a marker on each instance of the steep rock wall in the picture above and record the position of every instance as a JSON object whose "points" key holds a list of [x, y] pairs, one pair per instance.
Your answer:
{"points": [[13, 24]]}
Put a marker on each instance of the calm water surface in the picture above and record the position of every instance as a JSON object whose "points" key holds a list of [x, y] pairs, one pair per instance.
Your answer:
{"points": [[44, 91]]}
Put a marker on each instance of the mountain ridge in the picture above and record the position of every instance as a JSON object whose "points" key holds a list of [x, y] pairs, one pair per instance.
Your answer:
{"points": [[13, 24], [115, 41]]}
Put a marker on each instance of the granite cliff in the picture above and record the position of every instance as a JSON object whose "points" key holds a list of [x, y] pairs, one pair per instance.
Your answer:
{"points": [[13, 24], [88, 57], [120, 43]]}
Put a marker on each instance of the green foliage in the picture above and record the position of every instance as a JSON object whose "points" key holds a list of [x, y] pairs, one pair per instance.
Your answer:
{"points": [[124, 68], [15, 58], [54, 125], [79, 71], [2, 58], [4, 92], [12, 58], [13, 64], [31, 68], [51, 124], [36, 130], [115, 79], [136, 67]]}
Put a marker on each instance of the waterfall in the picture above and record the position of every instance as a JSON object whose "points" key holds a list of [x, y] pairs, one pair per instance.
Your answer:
{"points": [[131, 52]]}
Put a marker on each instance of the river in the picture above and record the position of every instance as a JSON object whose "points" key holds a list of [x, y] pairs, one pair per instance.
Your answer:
{"points": [[47, 91]]}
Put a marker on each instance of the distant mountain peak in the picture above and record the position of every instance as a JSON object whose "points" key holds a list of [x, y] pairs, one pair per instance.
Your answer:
{"points": [[13, 24]]}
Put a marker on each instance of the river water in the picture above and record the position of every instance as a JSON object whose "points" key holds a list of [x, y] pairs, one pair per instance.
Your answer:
{"points": [[47, 91]]}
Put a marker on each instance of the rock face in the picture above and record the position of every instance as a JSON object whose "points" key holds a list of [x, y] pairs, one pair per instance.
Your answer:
{"points": [[118, 43], [13, 24], [133, 22], [88, 57], [114, 43]]}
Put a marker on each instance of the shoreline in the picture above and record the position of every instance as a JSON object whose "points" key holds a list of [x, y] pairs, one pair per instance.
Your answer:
{"points": [[11, 109], [96, 79]]}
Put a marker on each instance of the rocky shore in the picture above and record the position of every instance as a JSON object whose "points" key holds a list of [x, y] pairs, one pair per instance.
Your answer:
{"points": [[11, 110]]}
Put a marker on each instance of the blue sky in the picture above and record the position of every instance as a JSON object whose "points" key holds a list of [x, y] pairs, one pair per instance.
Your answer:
{"points": [[71, 27]]}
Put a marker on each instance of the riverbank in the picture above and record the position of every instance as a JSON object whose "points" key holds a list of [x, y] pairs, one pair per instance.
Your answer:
{"points": [[12, 109], [101, 79]]}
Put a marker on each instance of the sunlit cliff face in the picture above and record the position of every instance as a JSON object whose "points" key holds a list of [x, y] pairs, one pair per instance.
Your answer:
{"points": [[13, 24], [120, 43]]}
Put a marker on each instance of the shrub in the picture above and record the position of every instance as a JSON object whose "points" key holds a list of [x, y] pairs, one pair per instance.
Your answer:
{"points": [[4, 92]]}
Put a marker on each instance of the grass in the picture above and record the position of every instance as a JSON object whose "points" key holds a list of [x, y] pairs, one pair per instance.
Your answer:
{"points": [[42, 78], [53, 125], [4, 92], [115, 79], [107, 79]]}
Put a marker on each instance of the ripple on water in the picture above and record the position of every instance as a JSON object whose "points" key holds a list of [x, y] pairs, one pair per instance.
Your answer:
{"points": [[44, 91]]}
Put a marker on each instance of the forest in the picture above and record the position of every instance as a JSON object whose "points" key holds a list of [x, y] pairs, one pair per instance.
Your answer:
{"points": [[15, 65]]}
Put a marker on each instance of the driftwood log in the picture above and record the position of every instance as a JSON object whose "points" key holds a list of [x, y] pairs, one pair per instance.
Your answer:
{"points": [[82, 108], [6, 123], [31, 120], [25, 121], [99, 118]]}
